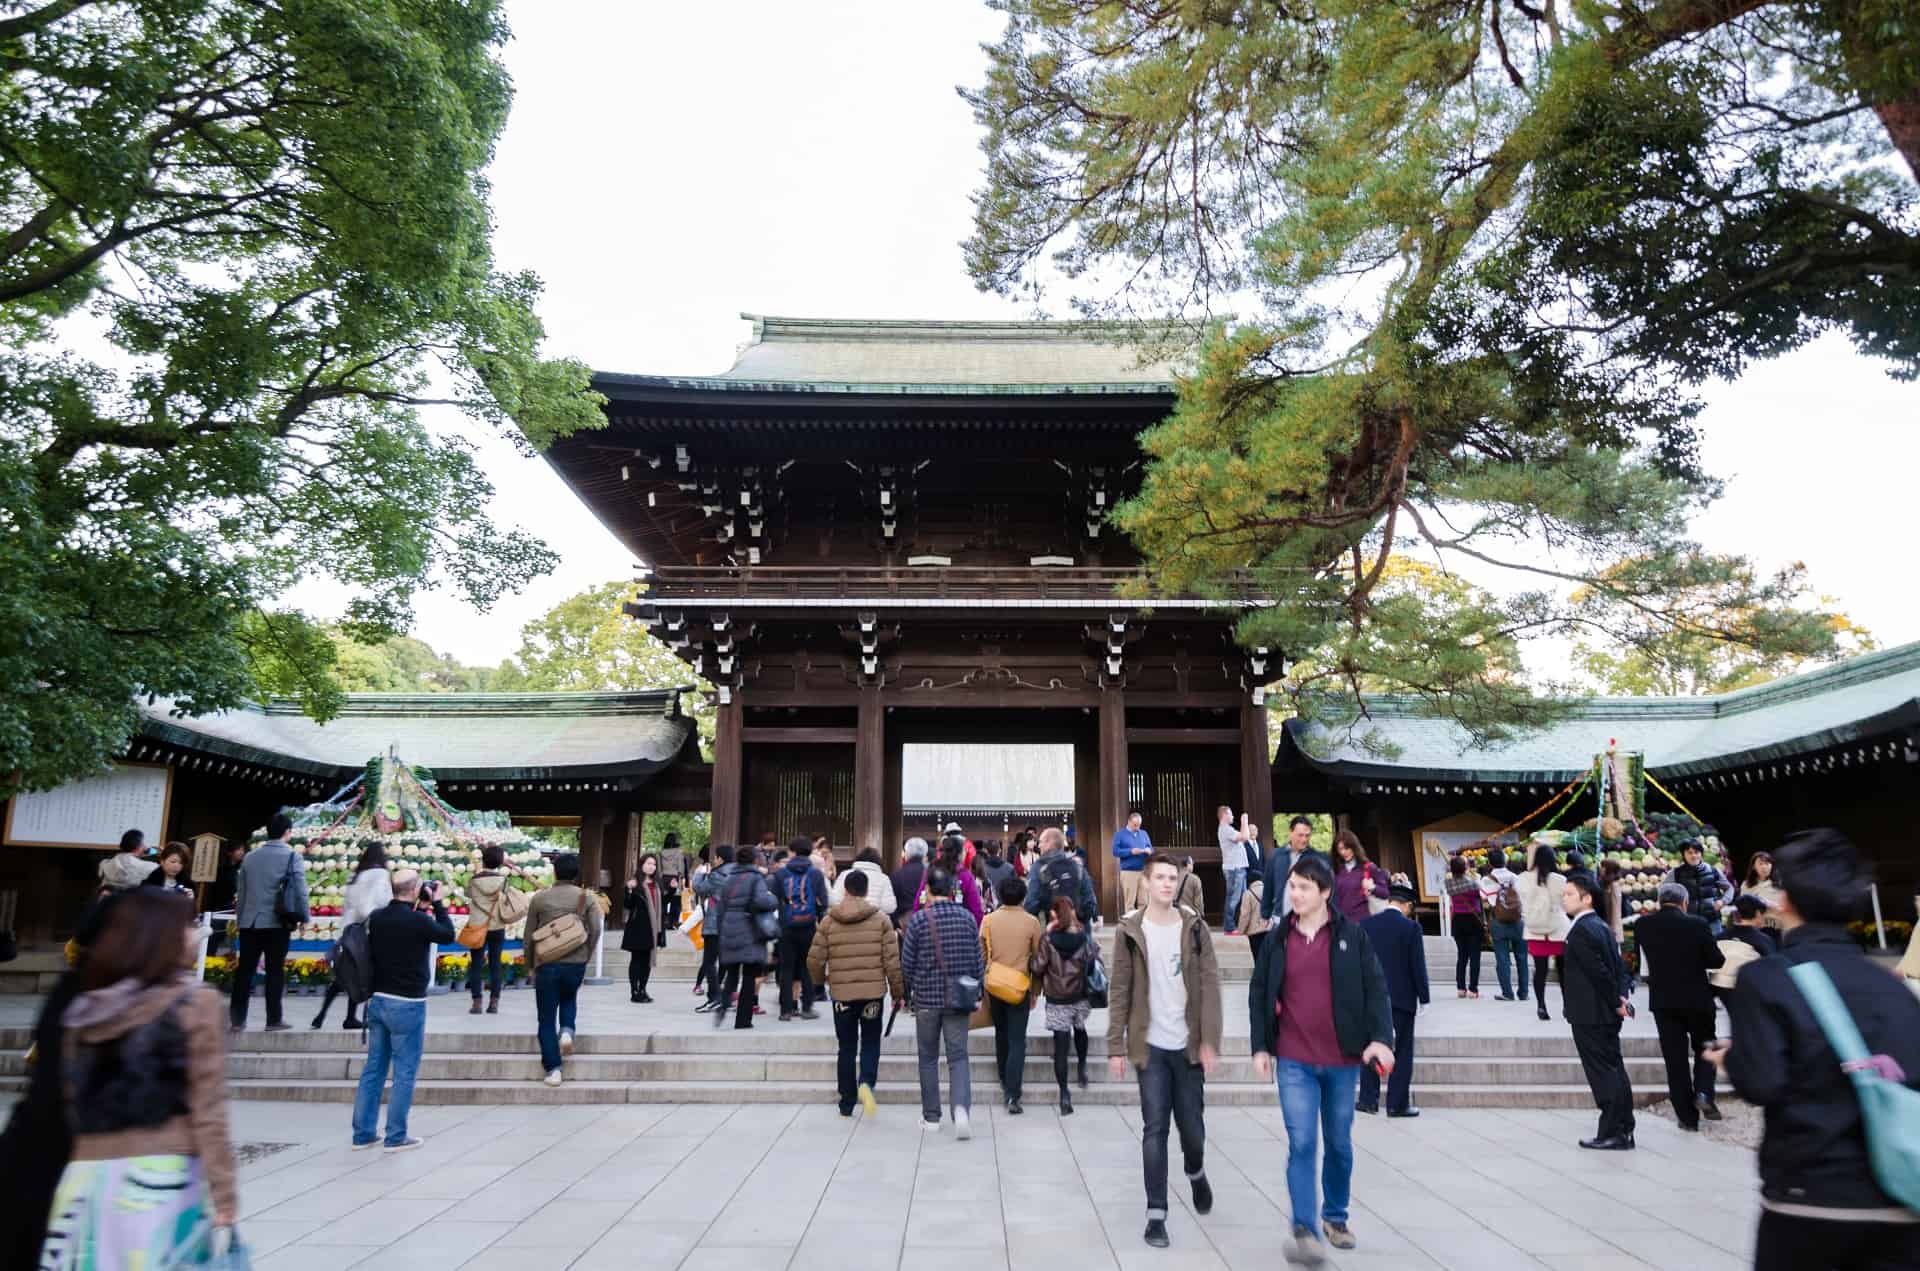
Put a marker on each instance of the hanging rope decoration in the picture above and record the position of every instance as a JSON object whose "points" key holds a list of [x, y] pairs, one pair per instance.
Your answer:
{"points": [[1655, 783], [1570, 792]]}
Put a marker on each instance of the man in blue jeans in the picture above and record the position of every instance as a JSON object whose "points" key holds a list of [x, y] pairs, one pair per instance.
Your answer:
{"points": [[1235, 860], [401, 940], [1319, 1009], [557, 979]]}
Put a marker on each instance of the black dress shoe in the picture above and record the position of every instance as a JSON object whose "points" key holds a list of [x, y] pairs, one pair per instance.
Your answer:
{"points": [[1371, 1109], [1404, 1112], [1202, 1195], [1690, 1129], [1013, 1108], [1709, 1109], [1612, 1143], [1156, 1234]]}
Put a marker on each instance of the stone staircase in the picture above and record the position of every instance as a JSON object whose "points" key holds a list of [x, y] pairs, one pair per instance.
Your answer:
{"points": [[781, 1064]]}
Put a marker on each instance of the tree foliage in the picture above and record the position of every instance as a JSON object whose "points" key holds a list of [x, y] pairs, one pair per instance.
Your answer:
{"points": [[1712, 638], [587, 642], [241, 243], [1490, 246]]}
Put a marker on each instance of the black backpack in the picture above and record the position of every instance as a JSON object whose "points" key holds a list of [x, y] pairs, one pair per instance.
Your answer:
{"points": [[353, 963], [1061, 874]]}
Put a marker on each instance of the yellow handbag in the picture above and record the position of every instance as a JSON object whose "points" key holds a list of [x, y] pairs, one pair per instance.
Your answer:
{"points": [[1009, 984]]}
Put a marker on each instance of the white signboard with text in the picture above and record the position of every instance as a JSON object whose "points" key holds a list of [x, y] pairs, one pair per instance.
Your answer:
{"points": [[94, 812]]}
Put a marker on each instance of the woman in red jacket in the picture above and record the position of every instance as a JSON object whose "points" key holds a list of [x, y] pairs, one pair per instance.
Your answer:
{"points": [[1355, 878]]}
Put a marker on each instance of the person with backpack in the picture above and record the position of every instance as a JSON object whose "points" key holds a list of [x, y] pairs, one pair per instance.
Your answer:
{"points": [[1059, 872], [1067, 955], [401, 938], [1164, 1016], [563, 925], [803, 902], [1838, 1186], [270, 899], [370, 891], [1508, 925]]}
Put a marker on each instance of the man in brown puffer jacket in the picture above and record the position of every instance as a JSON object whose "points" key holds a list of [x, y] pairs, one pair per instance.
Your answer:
{"points": [[856, 954]]}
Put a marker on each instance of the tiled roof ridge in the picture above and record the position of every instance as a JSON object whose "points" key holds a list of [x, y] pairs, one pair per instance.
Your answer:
{"points": [[1859, 669], [551, 702], [771, 327]]}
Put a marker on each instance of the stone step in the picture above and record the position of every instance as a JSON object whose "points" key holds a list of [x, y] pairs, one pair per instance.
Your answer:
{"points": [[1039, 1093]]}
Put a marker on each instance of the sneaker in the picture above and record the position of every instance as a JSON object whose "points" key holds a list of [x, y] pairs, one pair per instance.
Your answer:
{"points": [[1156, 1233], [1013, 1108], [404, 1145], [1339, 1235], [361, 1147], [1305, 1250], [1202, 1195], [566, 1042], [931, 1127], [870, 1104], [962, 1126], [786, 1017], [552, 1078]]}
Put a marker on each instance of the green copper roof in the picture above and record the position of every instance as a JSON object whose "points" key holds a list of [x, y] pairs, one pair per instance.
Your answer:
{"points": [[1866, 696], [464, 736], [835, 355]]}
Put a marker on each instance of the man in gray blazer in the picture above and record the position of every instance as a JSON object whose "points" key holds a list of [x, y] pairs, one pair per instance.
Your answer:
{"points": [[263, 929]]}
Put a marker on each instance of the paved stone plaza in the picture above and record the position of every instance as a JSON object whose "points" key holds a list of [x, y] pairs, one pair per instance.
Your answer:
{"points": [[779, 1186]]}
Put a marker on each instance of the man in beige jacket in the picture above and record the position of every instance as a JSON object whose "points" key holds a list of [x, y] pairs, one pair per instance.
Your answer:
{"points": [[856, 954]]}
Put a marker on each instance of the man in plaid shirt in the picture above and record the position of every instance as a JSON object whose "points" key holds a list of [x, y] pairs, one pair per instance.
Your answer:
{"points": [[942, 942]]}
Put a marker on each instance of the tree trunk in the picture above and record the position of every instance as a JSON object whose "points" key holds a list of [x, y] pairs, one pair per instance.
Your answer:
{"points": [[1901, 117]]}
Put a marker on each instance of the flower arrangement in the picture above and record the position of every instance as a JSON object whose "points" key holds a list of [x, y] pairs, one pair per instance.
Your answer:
{"points": [[1898, 933], [396, 806], [219, 971], [451, 968]]}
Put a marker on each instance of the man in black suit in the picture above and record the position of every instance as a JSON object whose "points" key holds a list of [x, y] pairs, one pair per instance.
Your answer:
{"points": [[1597, 996], [1402, 950], [1677, 950]]}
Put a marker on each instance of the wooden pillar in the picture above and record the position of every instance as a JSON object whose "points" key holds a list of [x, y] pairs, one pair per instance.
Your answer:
{"points": [[728, 773], [1256, 771], [869, 772], [593, 833], [1112, 811], [893, 825]]}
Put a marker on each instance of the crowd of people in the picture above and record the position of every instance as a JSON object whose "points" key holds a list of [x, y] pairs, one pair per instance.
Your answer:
{"points": [[119, 1153]]}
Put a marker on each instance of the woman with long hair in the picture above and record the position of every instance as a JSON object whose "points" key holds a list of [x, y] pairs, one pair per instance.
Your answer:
{"points": [[1761, 887], [952, 855], [369, 891], [709, 971], [1464, 903], [1066, 951], [492, 902], [822, 852], [1546, 920], [144, 1088], [645, 932], [1613, 891], [1355, 878]]}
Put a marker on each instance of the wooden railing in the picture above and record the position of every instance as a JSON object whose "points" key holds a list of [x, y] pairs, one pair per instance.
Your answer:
{"points": [[956, 582]]}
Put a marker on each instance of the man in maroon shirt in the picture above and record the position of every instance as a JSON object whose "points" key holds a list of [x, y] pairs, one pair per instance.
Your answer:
{"points": [[1319, 1010]]}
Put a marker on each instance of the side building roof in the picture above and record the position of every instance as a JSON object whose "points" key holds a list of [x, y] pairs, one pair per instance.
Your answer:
{"points": [[1869, 696], [461, 736]]}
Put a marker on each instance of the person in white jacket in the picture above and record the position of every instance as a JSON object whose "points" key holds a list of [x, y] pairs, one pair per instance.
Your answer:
{"points": [[1540, 891], [370, 891], [879, 886], [126, 867]]}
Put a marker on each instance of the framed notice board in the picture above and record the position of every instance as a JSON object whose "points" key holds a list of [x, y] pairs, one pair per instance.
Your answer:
{"points": [[93, 813]]}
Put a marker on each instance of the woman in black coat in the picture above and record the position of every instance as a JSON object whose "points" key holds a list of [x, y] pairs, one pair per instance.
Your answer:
{"points": [[646, 930]]}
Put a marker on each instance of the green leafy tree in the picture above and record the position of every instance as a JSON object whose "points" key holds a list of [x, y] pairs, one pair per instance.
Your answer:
{"points": [[241, 244], [1487, 249], [587, 642], [403, 664], [1681, 647]]}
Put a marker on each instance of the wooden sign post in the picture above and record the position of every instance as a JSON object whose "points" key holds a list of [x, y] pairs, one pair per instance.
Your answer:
{"points": [[205, 867]]}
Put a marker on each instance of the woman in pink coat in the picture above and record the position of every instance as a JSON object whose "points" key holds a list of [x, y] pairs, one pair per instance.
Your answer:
{"points": [[1355, 877]]}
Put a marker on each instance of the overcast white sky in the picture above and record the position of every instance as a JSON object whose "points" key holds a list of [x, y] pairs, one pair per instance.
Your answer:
{"points": [[667, 167]]}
